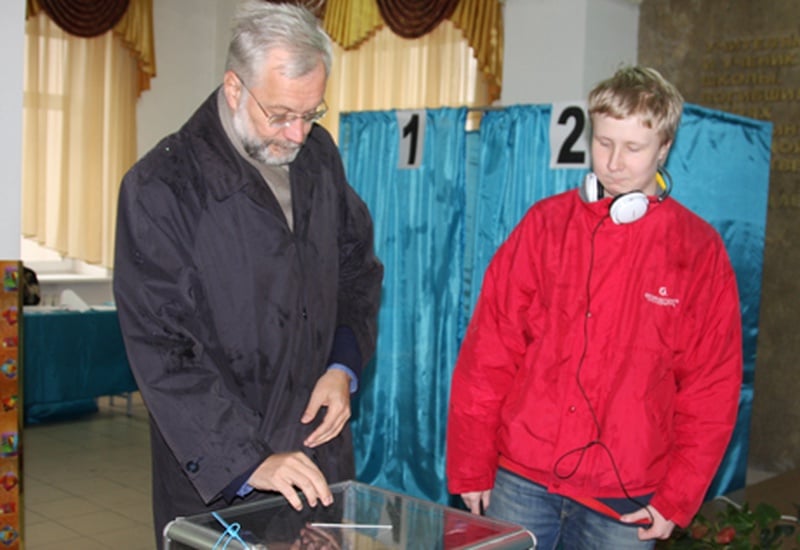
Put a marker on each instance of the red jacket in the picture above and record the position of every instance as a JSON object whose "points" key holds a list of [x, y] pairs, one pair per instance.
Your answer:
{"points": [[586, 331]]}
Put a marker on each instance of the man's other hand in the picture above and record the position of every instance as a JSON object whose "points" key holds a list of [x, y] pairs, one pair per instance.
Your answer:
{"points": [[332, 391]]}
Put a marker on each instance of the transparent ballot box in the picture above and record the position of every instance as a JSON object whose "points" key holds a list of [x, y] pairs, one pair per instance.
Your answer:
{"points": [[361, 517]]}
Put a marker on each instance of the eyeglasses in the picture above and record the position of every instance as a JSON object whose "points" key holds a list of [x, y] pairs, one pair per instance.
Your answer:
{"points": [[284, 120]]}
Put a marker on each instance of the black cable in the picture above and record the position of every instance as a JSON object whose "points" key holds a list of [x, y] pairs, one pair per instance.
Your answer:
{"points": [[597, 440]]}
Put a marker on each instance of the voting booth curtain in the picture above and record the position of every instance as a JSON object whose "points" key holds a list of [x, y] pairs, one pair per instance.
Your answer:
{"points": [[444, 199], [401, 410]]}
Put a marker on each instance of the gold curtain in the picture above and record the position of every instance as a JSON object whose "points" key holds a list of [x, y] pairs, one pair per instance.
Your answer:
{"points": [[79, 131], [388, 72], [134, 28], [351, 22], [481, 21]]}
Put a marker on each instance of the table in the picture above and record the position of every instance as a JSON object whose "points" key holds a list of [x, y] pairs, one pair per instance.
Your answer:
{"points": [[69, 358], [361, 517]]}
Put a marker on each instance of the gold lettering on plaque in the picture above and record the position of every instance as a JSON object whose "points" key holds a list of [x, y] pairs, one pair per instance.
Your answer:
{"points": [[746, 76]]}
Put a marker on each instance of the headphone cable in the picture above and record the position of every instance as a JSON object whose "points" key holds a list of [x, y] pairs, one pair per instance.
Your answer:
{"points": [[597, 440]]}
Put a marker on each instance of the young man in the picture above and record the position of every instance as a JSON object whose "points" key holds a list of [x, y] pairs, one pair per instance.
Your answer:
{"points": [[598, 382], [246, 282]]}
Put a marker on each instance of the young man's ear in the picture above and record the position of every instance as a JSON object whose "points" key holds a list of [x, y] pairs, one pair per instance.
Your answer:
{"points": [[664, 152]]}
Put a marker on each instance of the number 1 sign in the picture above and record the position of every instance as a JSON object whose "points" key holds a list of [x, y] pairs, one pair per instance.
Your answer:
{"points": [[412, 138]]}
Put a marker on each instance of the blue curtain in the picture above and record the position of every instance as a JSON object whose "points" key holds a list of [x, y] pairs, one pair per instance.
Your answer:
{"points": [[720, 165], [400, 414], [438, 226]]}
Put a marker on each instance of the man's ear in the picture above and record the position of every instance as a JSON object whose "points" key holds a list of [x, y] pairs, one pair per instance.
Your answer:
{"points": [[232, 88]]}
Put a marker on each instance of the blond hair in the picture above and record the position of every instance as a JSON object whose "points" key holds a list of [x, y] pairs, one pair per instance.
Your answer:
{"points": [[642, 92]]}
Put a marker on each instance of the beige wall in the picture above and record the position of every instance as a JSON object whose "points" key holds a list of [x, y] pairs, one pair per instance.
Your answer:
{"points": [[189, 42]]}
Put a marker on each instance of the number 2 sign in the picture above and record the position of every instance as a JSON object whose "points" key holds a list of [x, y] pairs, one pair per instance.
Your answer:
{"points": [[569, 136]]}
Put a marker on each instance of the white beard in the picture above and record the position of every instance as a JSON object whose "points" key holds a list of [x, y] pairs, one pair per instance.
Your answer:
{"points": [[260, 150]]}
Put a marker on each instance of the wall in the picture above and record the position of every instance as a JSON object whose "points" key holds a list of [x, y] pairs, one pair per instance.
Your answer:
{"points": [[612, 29], [12, 33], [188, 46], [557, 50]]}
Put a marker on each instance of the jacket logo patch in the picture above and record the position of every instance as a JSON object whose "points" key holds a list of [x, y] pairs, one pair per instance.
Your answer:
{"points": [[662, 299]]}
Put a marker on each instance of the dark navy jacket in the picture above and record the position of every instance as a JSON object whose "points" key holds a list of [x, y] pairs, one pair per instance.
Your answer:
{"points": [[228, 316]]}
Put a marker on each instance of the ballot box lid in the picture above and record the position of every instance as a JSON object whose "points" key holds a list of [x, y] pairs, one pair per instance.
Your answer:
{"points": [[361, 517]]}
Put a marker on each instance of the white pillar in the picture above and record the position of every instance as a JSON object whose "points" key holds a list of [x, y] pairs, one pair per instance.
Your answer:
{"points": [[12, 46], [557, 50]]}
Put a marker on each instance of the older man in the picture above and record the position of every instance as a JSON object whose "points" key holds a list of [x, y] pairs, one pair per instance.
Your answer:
{"points": [[246, 282]]}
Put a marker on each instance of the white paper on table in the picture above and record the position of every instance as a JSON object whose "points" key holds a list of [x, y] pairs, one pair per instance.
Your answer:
{"points": [[71, 300]]}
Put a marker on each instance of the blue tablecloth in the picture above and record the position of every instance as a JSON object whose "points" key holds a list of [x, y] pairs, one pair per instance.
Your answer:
{"points": [[69, 358]]}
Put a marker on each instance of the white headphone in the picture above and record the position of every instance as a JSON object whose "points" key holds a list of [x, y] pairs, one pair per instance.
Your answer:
{"points": [[627, 207]]}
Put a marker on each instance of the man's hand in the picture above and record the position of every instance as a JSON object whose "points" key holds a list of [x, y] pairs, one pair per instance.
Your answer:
{"points": [[332, 391], [660, 529], [312, 538], [283, 472], [477, 499]]}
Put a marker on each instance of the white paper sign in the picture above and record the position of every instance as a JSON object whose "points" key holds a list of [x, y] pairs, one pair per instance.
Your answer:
{"points": [[569, 135], [411, 125]]}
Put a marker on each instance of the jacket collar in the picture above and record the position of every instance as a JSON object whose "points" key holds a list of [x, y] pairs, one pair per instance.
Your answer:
{"points": [[225, 169]]}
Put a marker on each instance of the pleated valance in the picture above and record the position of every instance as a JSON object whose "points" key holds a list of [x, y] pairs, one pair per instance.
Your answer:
{"points": [[131, 20], [86, 18], [415, 18]]}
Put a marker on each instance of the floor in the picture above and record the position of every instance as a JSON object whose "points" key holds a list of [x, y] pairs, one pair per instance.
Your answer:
{"points": [[87, 481]]}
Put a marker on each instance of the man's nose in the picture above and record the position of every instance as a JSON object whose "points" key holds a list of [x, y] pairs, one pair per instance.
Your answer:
{"points": [[296, 130]]}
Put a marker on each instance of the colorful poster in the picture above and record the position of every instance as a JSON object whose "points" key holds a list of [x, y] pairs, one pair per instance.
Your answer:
{"points": [[10, 406]]}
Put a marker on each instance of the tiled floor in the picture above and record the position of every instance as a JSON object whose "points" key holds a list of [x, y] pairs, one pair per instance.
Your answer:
{"points": [[87, 481]]}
